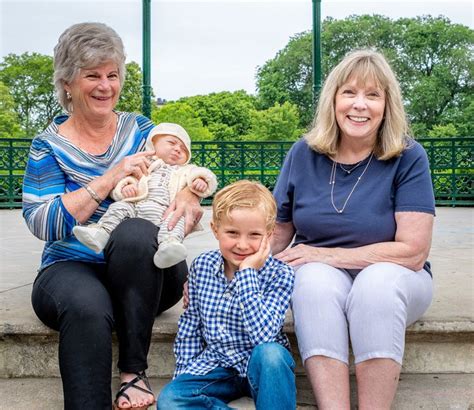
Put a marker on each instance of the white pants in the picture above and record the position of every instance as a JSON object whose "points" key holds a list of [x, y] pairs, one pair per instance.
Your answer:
{"points": [[373, 310]]}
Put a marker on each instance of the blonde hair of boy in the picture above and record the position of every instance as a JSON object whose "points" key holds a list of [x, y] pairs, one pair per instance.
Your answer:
{"points": [[244, 194], [363, 65]]}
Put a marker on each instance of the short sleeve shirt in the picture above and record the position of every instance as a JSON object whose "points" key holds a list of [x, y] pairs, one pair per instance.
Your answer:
{"points": [[303, 195]]}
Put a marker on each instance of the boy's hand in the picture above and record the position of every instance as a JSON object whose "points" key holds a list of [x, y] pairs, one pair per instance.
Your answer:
{"points": [[199, 185], [257, 260], [129, 191]]}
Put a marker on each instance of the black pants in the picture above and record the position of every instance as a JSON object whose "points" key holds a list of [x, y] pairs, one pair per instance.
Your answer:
{"points": [[86, 301]]}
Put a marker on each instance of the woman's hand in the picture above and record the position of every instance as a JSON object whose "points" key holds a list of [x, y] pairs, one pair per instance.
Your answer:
{"points": [[185, 204], [300, 254], [257, 260], [133, 165], [185, 295]]}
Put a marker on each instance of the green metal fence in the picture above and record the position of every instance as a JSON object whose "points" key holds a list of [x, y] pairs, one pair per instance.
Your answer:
{"points": [[451, 161]]}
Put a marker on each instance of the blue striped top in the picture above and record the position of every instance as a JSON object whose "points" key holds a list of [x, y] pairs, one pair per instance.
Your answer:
{"points": [[55, 166]]}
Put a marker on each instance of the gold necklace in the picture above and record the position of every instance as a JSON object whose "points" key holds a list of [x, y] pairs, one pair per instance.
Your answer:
{"points": [[332, 182]]}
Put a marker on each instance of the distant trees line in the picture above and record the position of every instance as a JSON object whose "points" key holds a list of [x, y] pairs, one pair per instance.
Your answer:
{"points": [[431, 56]]}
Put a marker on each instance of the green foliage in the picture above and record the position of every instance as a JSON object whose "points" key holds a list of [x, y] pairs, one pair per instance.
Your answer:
{"points": [[182, 114], [288, 77], [9, 124], [435, 68], [29, 79], [277, 123], [225, 114], [431, 56], [441, 131], [131, 95]]}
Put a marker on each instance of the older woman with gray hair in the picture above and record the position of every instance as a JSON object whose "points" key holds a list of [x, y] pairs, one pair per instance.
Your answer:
{"points": [[73, 166], [356, 196]]}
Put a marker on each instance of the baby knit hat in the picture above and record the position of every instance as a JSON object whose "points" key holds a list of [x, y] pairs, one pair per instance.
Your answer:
{"points": [[169, 128]]}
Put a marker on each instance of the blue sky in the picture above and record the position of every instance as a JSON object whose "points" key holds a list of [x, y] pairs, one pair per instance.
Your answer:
{"points": [[198, 47]]}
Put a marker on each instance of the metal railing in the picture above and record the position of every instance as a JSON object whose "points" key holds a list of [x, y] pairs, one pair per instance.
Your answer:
{"points": [[451, 162]]}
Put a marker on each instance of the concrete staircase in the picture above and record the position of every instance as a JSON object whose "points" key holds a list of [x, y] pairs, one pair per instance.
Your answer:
{"points": [[438, 371]]}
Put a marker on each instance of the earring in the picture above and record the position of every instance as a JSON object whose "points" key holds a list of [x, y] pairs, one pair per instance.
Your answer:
{"points": [[68, 95]]}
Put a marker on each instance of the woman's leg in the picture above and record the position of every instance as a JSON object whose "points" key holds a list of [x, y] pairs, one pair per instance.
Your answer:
{"points": [[318, 305], [210, 391], [70, 297], [139, 291], [384, 300], [271, 377]]}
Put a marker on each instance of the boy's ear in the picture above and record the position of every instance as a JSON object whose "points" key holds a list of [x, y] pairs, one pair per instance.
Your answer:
{"points": [[214, 228]]}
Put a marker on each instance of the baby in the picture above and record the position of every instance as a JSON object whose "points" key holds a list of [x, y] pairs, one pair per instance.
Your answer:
{"points": [[149, 197]]}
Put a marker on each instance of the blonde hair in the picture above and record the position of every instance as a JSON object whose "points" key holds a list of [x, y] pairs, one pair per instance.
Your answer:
{"points": [[363, 66], [244, 194], [85, 45]]}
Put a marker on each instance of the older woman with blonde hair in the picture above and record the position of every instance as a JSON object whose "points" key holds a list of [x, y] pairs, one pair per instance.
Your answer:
{"points": [[72, 168], [356, 196]]}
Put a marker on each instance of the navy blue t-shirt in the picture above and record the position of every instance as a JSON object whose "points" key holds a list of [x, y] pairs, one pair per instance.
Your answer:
{"points": [[303, 196]]}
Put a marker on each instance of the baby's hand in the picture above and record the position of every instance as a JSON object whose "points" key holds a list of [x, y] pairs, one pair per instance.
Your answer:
{"points": [[199, 185], [129, 191], [257, 260]]}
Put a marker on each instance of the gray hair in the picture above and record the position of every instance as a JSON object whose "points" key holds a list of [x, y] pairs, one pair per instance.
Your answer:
{"points": [[81, 46]]}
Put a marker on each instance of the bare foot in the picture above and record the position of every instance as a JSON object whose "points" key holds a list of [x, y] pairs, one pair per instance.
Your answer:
{"points": [[138, 398]]}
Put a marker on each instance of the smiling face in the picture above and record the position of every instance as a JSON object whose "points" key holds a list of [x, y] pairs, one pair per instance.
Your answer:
{"points": [[359, 109], [95, 91], [239, 235], [170, 149]]}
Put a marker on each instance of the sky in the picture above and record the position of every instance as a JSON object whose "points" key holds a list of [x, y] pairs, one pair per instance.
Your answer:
{"points": [[198, 47]]}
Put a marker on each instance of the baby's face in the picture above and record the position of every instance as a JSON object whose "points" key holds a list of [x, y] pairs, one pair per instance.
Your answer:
{"points": [[170, 149]]}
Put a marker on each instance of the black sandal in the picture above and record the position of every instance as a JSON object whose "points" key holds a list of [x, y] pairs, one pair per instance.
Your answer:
{"points": [[132, 384]]}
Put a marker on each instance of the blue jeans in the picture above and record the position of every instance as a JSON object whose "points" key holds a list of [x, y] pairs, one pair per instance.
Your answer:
{"points": [[270, 382]]}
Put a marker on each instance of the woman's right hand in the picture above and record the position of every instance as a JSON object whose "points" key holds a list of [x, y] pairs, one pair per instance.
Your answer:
{"points": [[185, 295], [135, 165]]}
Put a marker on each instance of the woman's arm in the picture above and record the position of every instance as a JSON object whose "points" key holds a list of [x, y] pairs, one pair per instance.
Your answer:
{"points": [[80, 203], [185, 204], [282, 236], [409, 249]]}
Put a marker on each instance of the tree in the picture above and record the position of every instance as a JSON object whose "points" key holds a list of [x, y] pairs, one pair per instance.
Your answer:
{"points": [[182, 114], [431, 56], [225, 114], [9, 123], [288, 78], [131, 95], [29, 79], [277, 123], [435, 68]]}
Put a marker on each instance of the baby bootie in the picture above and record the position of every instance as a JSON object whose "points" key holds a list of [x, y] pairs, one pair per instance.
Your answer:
{"points": [[92, 236], [169, 253]]}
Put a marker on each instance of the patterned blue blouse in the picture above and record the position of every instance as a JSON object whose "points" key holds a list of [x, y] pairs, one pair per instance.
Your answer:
{"points": [[55, 167]]}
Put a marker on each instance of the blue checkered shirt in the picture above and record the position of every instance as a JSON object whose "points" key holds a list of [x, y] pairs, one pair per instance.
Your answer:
{"points": [[226, 320]]}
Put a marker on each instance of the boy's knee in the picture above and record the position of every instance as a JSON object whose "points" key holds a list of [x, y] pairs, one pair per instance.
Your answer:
{"points": [[270, 356]]}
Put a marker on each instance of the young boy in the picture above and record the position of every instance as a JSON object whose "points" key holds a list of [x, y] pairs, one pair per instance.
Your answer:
{"points": [[149, 197], [230, 341]]}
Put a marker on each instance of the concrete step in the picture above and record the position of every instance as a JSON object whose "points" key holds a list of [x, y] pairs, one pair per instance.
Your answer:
{"points": [[427, 391], [29, 349]]}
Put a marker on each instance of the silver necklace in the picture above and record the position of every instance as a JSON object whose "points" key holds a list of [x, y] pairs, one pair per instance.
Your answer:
{"points": [[332, 182], [348, 171]]}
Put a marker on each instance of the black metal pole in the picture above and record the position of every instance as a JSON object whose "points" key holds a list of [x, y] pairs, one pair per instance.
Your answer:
{"points": [[317, 53], [146, 68]]}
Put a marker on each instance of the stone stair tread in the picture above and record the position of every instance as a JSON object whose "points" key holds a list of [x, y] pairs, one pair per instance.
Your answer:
{"points": [[18, 318], [421, 391]]}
